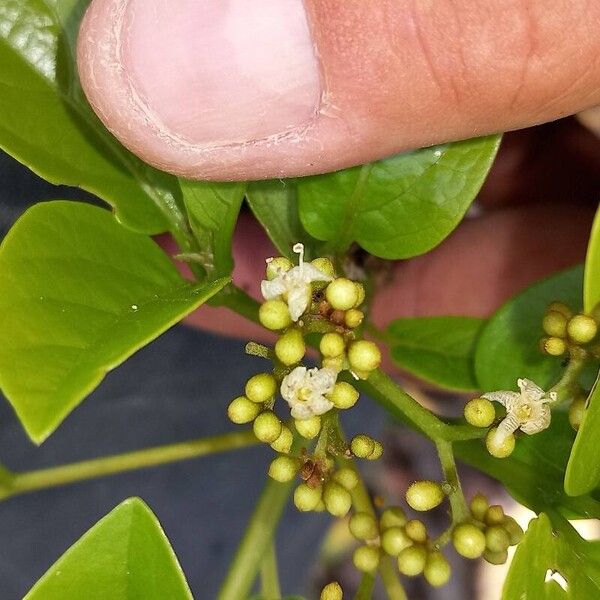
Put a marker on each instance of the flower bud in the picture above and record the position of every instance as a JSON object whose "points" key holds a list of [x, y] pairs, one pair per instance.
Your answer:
{"points": [[392, 517], [437, 569], [377, 451], [308, 428], [479, 506], [353, 318], [494, 515], [553, 346], [261, 387], [276, 266], [283, 443], [363, 526], [306, 498], [364, 356], [424, 495], [416, 531], [360, 290], [499, 450], [332, 591], [577, 412], [290, 347], [335, 363], [496, 538], [366, 558], [337, 499], [496, 558], [480, 412], [332, 345], [394, 540], [267, 427], [283, 468], [362, 446], [412, 560], [241, 410], [324, 265], [582, 329], [514, 530], [344, 395], [274, 315], [560, 307], [468, 540], [347, 478], [342, 294], [555, 324]]}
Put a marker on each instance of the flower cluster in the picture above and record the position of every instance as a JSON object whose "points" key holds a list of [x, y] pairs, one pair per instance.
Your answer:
{"points": [[565, 331]]}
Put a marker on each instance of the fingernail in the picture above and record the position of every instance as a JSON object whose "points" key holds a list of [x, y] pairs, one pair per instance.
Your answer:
{"points": [[215, 72]]}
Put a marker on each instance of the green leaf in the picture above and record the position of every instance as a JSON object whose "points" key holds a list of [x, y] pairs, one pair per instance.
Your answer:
{"points": [[275, 205], [213, 210], [401, 206], [125, 556], [437, 349], [534, 473], [591, 280], [79, 294], [46, 123], [508, 347], [544, 552]]}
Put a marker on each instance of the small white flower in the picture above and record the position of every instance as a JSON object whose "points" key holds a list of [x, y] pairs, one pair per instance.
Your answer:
{"points": [[526, 410], [293, 286], [305, 390]]}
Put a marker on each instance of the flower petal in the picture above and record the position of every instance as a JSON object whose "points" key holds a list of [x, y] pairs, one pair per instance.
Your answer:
{"points": [[311, 273], [298, 300], [530, 390], [539, 423], [272, 289], [507, 426], [503, 397], [301, 411]]}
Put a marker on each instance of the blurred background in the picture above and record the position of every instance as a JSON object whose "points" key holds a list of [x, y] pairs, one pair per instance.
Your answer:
{"points": [[178, 388]]}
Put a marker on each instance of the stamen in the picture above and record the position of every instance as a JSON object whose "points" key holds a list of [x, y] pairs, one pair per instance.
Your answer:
{"points": [[299, 249]]}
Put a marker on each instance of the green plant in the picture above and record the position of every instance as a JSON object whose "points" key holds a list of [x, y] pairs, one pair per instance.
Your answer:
{"points": [[83, 288]]}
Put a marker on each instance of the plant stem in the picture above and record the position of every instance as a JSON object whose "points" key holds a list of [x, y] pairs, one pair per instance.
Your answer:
{"points": [[257, 538], [365, 589], [393, 587], [568, 385], [458, 504], [20, 483], [269, 577]]}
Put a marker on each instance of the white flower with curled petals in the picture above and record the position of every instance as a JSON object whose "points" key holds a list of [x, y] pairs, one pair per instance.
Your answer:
{"points": [[294, 286], [305, 390], [526, 410]]}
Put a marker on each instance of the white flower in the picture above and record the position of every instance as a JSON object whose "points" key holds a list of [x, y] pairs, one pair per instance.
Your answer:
{"points": [[305, 390], [293, 286], [526, 410]]}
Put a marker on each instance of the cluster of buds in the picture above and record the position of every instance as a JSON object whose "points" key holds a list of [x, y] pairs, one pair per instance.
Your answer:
{"points": [[488, 533], [566, 331]]}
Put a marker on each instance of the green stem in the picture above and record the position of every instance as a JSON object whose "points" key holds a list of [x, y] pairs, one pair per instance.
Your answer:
{"points": [[257, 538], [365, 589], [393, 587], [30, 481], [458, 504], [269, 577], [568, 385]]}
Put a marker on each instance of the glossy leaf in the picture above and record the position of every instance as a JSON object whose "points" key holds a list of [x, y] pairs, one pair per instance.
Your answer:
{"points": [[125, 556], [508, 347], [401, 206], [213, 210], [591, 282], [534, 473], [79, 294], [437, 349], [545, 552], [46, 123]]}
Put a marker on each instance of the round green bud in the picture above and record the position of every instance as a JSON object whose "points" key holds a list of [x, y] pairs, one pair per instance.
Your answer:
{"points": [[283, 468], [494, 515], [495, 558], [344, 395], [308, 428], [480, 412], [320, 507], [479, 506], [267, 427], [325, 265], [342, 294], [377, 451], [337, 499], [278, 265], [561, 308], [363, 526], [332, 591], [437, 569], [335, 363], [366, 558], [416, 531], [261, 387], [412, 560], [364, 356], [290, 347], [360, 290], [274, 315], [332, 345], [362, 446], [394, 540], [392, 517], [576, 412], [514, 530], [582, 329], [241, 410], [347, 478], [555, 324], [496, 538], [424, 495], [554, 346], [468, 540], [307, 498], [499, 450], [353, 318], [283, 443]]}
